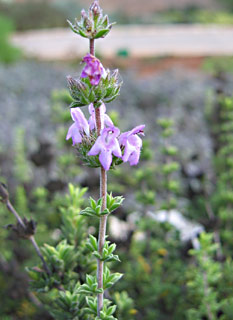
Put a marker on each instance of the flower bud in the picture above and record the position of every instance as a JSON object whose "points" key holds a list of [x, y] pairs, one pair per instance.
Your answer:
{"points": [[71, 82], [80, 85], [75, 84], [93, 25], [115, 74], [95, 9], [83, 14], [86, 21]]}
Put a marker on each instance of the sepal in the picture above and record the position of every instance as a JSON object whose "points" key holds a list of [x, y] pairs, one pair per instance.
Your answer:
{"points": [[84, 93]]}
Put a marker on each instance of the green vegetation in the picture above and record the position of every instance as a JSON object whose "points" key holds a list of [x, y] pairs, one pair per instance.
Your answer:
{"points": [[33, 15], [8, 53], [194, 15], [163, 279], [216, 65], [43, 14]]}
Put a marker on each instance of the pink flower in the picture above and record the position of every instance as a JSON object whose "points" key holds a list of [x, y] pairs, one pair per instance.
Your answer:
{"points": [[105, 119], [107, 145], [132, 144], [79, 127], [94, 70]]}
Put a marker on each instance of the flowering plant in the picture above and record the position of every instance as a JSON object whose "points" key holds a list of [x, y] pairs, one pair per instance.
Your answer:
{"points": [[100, 144]]}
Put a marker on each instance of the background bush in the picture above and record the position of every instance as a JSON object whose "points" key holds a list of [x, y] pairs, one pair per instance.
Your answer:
{"points": [[7, 52]]}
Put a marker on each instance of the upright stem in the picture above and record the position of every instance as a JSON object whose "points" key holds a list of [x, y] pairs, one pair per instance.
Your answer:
{"points": [[92, 46], [101, 240], [103, 219]]}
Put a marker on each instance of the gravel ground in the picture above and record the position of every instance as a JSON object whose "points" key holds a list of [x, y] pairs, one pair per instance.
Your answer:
{"points": [[138, 40]]}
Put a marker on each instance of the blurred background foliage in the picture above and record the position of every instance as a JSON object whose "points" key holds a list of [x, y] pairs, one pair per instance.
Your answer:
{"points": [[8, 53], [186, 168], [50, 14]]}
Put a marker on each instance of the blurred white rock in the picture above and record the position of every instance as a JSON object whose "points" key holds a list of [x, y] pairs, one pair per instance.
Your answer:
{"points": [[189, 230]]}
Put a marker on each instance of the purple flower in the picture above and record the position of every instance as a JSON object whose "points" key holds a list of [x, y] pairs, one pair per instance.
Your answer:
{"points": [[105, 119], [79, 127], [106, 145], [94, 70], [132, 144]]}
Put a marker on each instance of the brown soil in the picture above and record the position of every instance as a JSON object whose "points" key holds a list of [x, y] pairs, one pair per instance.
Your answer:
{"points": [[148, 67]]}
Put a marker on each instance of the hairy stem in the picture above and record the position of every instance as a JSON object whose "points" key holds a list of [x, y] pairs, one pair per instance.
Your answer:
{"points": [[103, 220], [101, 240], [92, 46]]}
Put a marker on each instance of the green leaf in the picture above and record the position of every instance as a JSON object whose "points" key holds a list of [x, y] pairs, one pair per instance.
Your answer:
{"points": [[76, 104], [92, 202], [93, 241], [102, 33], [77, 31]]}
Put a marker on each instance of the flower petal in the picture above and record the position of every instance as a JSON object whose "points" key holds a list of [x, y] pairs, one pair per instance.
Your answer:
{"points": [[132, 143], [137, 130], [107, 121], [96, 148], [134, 157], [91, 121], [80, 120], [93, 70], [106, 159], [129, 149], [74, 133], [116, 150]]}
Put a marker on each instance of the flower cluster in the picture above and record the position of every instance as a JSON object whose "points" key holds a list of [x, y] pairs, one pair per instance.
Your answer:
{"points": [[125, 146], [95, 84], [94, 70]]}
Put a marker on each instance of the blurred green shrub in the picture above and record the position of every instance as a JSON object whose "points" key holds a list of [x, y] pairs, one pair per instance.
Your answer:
{"points": [[154, 271], [8, 53], [44, 14], [195, 15], [33, 14], [189, 15], [215, 65], [228, 4], [161, 278]]}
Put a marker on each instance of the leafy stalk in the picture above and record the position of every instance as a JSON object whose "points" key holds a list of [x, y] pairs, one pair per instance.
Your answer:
{"points": [[103, 219]]}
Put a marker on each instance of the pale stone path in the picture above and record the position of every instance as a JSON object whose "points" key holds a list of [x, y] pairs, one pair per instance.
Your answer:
{"points": [[139, 41]]}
